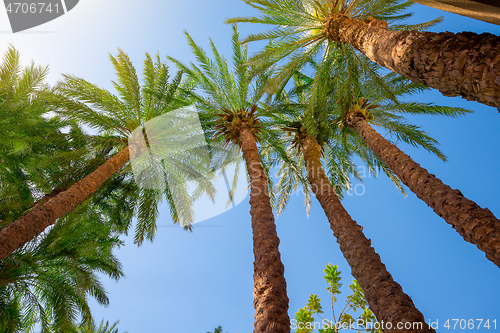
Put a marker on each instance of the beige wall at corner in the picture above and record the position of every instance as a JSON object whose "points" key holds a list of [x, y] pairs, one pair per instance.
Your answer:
{"points": [[479, 10]]}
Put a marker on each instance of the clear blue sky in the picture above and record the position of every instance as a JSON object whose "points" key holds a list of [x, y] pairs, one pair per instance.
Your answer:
{"points": [[193, 282]]}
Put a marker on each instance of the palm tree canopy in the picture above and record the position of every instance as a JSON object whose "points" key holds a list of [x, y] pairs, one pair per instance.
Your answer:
{"points": [[224, 96], [299, 33], [320, 110], [220, 87], [28, 136], [115, 117]]}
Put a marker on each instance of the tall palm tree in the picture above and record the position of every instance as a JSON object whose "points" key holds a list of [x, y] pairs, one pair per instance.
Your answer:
{"points": [[477, 225], [359, 105], [463, 64], [385, 296], [227, 101], [31, 278], [334, 150], [363, 102], [116, 118]]}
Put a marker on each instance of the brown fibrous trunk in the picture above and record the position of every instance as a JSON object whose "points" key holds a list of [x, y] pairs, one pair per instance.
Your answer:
{"points": [[463, 64], [31, 224], [475, 224], [270, 297]]}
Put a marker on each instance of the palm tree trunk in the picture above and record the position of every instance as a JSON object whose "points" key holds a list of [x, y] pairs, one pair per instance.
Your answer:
{"points": [[270, 297], [463, 64], [476, 225], [31, 224], [384, 295]]}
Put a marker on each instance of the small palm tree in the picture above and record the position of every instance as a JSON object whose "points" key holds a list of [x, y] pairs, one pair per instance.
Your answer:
{"points": [[217, 330], [116, 118], [229, 105], [463, 64]]}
